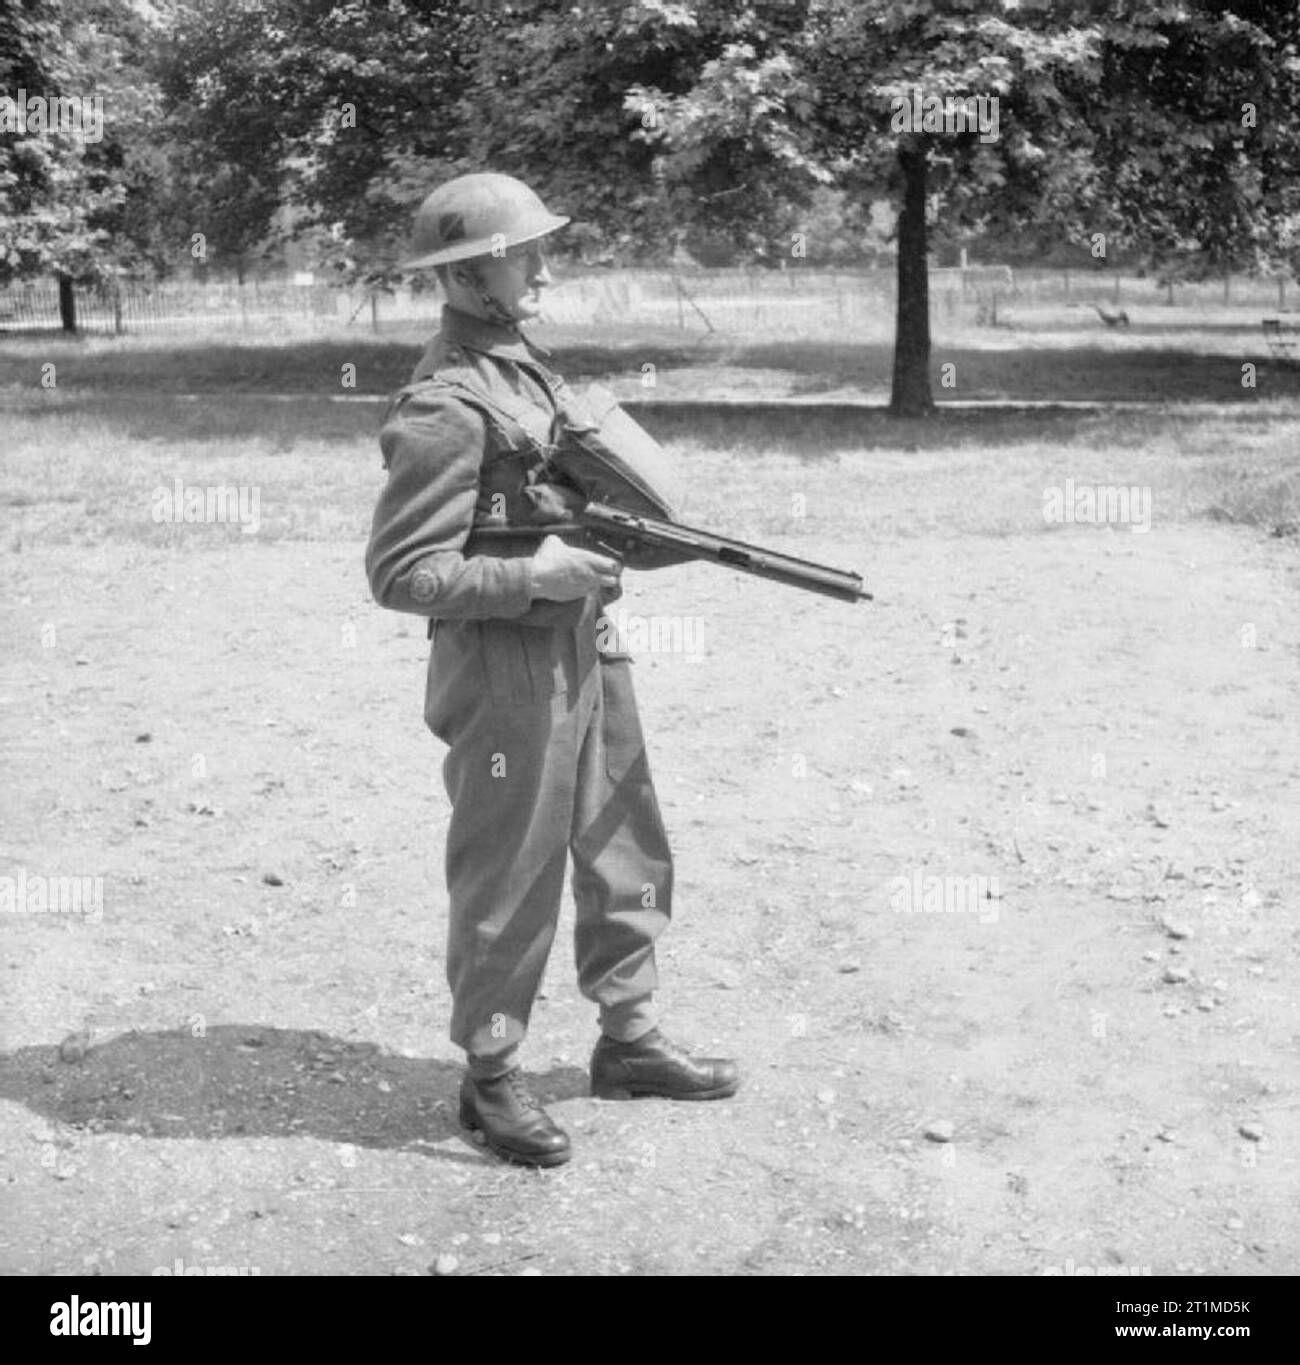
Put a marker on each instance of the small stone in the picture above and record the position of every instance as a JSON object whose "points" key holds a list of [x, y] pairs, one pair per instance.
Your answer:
{"points": [[1121, 893], [492, 1238], [846, 968], [272, 879], [826, 1097], [410, 1239], [1165, 1135], [1218, 804], [943, 1130], [1176, 975], [446, 1264], [1206, 1003], [1234, 1225], [1151, 955], [1253, 1132], [75, 1046], [530, 1270], [1176, 928]]}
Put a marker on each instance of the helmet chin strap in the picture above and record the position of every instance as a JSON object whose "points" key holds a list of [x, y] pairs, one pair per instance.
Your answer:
{"points": [[496, 310]]}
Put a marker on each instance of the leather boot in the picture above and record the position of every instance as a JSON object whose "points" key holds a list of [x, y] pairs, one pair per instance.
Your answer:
{"points": [[654, 1066], [507, 1120]]}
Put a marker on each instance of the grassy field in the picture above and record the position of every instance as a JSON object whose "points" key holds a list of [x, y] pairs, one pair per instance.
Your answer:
{"points": [[224, 727], [125, 418]]}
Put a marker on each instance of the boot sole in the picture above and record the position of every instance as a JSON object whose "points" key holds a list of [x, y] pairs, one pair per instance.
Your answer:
{"points": [[480, 1137], [645, 1092]]}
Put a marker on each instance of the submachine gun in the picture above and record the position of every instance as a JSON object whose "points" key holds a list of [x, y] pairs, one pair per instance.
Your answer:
{"points": [[613, 487]]}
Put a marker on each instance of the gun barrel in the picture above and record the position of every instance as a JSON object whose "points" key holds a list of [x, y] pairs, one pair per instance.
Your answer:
{"points": [[612, 524]]}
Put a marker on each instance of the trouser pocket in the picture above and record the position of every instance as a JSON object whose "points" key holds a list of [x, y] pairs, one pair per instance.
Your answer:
{"points": [[625, 755], [526, 664]]}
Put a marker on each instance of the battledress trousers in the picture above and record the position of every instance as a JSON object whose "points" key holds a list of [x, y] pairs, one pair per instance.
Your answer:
{"points": [[546, 758]]}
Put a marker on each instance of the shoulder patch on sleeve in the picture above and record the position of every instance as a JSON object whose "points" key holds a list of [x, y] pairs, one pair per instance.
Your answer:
{"points": [[424, 585]]}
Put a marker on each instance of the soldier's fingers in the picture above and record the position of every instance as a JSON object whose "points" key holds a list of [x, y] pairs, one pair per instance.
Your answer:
{"points": [[603, 563]]}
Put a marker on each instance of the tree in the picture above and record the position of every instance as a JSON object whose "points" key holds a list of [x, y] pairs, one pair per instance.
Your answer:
{"points": [[75, 202], [1118, 123], [338, 112], [579, 98], [1111, 124], [1195, 163]]}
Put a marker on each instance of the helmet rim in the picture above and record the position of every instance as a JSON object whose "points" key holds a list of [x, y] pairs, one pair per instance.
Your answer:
{"points": [[480, 246], [498, 211]]}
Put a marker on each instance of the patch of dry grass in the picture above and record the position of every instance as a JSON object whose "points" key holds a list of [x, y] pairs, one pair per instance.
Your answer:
{"points": [[81, 469]]}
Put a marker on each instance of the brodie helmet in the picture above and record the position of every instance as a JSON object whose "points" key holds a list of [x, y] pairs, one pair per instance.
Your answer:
{"points": [[475, 215]]}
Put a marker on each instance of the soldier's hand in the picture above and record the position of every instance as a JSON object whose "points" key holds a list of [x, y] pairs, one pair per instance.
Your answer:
{"points": [[562, 572]]}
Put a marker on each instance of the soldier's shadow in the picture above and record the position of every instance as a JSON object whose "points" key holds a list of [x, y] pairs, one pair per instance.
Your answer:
{"points": [[251, 1080]]}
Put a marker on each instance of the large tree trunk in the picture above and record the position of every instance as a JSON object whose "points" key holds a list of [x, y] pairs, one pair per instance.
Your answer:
{"points": [[911, 392], [67, 304]]}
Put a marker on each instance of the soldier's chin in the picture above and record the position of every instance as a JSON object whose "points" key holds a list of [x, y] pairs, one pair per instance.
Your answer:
{"points": [[528, 308]]}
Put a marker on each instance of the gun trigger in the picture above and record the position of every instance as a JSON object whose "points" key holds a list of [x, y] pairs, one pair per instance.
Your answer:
{"points": [[606, 548]]}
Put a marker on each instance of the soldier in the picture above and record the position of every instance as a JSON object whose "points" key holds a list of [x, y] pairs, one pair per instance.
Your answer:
{"points": [[545, 752]]}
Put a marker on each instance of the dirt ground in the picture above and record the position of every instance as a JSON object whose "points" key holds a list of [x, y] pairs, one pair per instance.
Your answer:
{"points": [[254, 1074]]}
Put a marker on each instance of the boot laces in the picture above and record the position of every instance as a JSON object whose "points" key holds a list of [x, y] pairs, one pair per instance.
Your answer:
{"points": [[515, 1079]]}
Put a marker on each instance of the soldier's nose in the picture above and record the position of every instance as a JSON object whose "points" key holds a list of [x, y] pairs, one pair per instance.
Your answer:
{"points": [[541, 274]]}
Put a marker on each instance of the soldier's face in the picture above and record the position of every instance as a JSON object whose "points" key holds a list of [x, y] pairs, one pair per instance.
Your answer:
{"points": [[516, 279]]}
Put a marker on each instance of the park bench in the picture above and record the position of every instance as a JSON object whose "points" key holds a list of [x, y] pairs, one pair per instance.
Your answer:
{"points": [[1282, 334]]}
